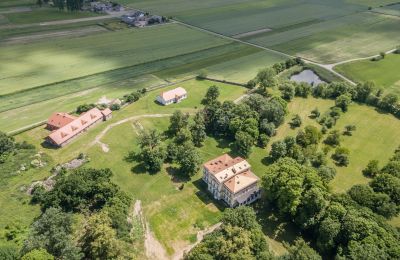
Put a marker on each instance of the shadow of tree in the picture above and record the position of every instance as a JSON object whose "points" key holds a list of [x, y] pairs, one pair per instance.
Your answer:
{"points": [[176, 175], [205, 196]]}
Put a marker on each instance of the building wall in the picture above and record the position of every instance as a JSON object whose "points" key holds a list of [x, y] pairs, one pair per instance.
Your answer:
{"points": [[220, 192]]}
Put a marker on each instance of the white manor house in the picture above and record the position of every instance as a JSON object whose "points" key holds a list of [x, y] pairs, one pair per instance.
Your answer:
{"points": [[231, 180]]}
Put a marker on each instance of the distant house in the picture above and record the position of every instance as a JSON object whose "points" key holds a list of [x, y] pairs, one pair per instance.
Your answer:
{"points": [[74, 126], [155, 19], [133, 18], [172, 96], [231, 180]]}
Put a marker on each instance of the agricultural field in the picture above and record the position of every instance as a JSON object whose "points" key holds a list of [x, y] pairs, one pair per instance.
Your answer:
{"points": [[78, 57], [322, 31], [384, 73], [45, 14], [233, 61]]}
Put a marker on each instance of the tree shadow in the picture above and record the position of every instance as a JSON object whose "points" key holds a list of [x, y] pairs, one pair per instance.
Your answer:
{"points": [[139, 169], [273, 224], [267, 160], [206, 197], [47, 145], [176, 175]]}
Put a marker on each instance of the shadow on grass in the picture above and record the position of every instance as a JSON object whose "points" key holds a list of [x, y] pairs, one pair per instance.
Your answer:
{"points": [[176, 175], [267, 160], [274, 225], [206, 197], [47, 145]]}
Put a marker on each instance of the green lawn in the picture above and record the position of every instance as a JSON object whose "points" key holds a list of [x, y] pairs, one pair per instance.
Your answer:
{"points": [[384, 73], [175, 216]]}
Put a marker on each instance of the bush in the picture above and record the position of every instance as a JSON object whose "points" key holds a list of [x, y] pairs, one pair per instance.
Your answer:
{"points": [[114, 107], [341, 156], [84, 108]]}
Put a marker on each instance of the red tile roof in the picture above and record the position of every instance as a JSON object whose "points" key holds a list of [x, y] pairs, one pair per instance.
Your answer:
{"points": [[171, 94], [221, 163], [59, 119], [76, 126]]}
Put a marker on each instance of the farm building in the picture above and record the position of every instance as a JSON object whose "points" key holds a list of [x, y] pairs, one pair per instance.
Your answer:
{"points": [[172, 96], [231, 180], [133, 18], [58, 120], [67, 130]]}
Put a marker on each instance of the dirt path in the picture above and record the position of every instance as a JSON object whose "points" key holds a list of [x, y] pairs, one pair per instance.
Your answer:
{"points": [[153, 248], [200, 236], [109, 127]]}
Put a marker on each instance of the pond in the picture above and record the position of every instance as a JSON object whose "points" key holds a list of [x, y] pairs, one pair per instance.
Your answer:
{"points": [[307, 76]]}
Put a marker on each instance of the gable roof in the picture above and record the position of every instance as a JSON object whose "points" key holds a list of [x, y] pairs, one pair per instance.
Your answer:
{"points": [[71, 129], [60, 119], [241, 181], [173, 93]]}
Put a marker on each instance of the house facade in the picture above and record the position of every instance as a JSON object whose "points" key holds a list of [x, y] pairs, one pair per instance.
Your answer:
{"points": [[172, 96], [231, 180], [67, 132]]}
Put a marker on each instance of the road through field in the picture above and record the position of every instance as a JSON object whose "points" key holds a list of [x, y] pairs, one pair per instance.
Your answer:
{"points": [[328, 67]]}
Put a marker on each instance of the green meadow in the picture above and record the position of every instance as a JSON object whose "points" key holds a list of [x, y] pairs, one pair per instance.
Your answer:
{"points": [[319, 30], [233, 61], [384, 73], [45, 14], [25, 67]]}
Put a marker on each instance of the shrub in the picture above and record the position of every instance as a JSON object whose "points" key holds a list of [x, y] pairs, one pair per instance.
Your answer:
{"points": [[341, 156]]}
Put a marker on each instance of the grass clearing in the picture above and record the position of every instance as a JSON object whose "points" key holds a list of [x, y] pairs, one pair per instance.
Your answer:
{"points": [[384, 73]]}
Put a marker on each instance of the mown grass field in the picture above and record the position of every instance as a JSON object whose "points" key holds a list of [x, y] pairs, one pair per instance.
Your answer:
{"points": [[44, 14], [175, 216], [235, 62], [323, 31], [25, 67], [329, 41], [384, 73]]}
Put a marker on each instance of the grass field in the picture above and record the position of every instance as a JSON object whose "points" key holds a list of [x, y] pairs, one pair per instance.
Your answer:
{"points": [[45, 14], [323, 31], [175, 216], [235, 62], [334, 40], [23, 68], [384, 73]]}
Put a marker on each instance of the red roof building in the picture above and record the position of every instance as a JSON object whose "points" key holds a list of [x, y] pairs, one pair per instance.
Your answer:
{"points": [[63, 135]]}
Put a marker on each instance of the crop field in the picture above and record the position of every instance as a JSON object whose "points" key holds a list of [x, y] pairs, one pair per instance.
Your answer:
{"points": [[235, 62], [390, 10], [323, 31], [384, 73], [330, 41], [72, 58], [38, 15]]}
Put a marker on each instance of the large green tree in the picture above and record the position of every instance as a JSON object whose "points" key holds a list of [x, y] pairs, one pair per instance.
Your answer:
{"points": [[53, 232]]}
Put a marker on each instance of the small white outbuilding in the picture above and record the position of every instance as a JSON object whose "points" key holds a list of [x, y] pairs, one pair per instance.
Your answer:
{"points": [[172, 96]]}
